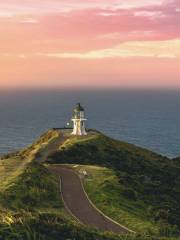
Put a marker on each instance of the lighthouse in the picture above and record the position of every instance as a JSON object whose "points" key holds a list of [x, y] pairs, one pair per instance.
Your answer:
{"points": [[79, 121]]}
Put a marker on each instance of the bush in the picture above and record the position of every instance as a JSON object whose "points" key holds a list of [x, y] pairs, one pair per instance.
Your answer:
{"points": [[36, 187], [130, 194], [167, 230]]}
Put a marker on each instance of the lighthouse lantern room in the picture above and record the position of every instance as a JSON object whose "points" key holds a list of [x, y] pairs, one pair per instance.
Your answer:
{"points": [[79, 121]]}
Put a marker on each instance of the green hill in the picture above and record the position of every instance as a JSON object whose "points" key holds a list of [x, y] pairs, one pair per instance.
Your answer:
{"points": [[31, 209], [147, 179], [177, 160], [134, 186]]}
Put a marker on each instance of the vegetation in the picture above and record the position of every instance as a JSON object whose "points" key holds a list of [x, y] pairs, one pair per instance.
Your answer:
{"points": [[44, 226], [47, 227], [31, 209], [115, 201], [145, 178], [134, 186], [13, 164], [177, 161], [35, 188]]}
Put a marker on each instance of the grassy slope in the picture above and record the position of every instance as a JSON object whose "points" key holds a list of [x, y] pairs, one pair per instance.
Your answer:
{"points": [[34, 189], [177, 161], [146, 180], [12, 165], [31, 210], [30, 207], [108, 196]]}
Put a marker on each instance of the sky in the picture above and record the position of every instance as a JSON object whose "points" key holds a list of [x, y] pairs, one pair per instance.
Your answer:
{"points": [[89, 44]]}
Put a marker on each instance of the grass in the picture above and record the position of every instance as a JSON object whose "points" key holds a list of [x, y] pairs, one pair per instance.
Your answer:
{"points": [[35, 188], [77, 140], [132, 185], [31, 209], [43, 226], [13, 164], [10, 169], [108, 196], [146, 186]]}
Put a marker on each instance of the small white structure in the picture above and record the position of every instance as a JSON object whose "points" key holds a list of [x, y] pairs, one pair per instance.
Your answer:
{"points": [[79, 121]]}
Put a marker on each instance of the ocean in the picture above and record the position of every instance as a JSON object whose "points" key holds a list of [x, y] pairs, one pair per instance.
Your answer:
{"points": [[147, 118]]}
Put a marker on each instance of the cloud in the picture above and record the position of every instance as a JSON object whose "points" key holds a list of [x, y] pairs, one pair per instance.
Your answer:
{"points": [[29, 21], [10, 55], [34, 6], [88, 30], [5, 14], [147, 49], [151, 14], [129, 35], [160, 49], [130, 4], [107, 14]]}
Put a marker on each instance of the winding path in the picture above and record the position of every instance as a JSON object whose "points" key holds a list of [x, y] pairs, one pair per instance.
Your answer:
{"points": [[74, 197], [78, 204]]}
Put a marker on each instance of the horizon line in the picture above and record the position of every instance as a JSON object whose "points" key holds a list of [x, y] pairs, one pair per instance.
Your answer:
{"points": [[124, 88]]}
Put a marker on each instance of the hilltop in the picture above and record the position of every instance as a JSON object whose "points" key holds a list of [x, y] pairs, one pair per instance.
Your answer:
{"points": [[133, 186], [147, 179]]}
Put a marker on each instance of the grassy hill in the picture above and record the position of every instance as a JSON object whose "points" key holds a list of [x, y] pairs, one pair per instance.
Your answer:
{"points": [[31, 209], [134, 186], [177, 161], [149, 182], [13, 164]]}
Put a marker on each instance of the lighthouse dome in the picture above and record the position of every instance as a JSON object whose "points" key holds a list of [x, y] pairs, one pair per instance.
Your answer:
{"points": [[78, 108], [78, 111]]}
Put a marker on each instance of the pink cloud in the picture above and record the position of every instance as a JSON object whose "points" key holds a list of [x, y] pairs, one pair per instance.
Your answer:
{"points": [[89, 29], [30, 6], [36, 28]]}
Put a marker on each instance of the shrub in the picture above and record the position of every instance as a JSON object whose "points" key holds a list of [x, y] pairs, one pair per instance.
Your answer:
{"points": [[130, 194]]}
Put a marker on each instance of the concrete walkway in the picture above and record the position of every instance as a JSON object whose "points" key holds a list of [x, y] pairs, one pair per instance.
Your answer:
{"points": [[77, 203]]}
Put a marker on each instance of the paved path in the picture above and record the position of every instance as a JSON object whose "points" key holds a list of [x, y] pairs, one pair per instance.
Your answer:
{"points": [[77, 203], [52, 147]]}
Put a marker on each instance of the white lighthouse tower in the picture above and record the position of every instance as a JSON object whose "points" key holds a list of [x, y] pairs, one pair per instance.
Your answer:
{"points": [[79, 121]]}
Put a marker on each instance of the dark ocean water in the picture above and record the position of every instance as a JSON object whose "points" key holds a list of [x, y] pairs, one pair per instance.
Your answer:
{"points": [[150, 119]]}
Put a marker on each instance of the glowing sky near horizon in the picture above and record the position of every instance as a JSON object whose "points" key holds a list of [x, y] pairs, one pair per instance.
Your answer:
{"points": [[92, 43]]}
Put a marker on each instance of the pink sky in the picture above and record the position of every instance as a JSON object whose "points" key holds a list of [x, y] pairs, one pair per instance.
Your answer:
{"points": [[92, 43]]}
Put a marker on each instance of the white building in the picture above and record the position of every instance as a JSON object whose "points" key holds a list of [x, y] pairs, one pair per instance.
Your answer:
{"points": [[79, 121]]}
